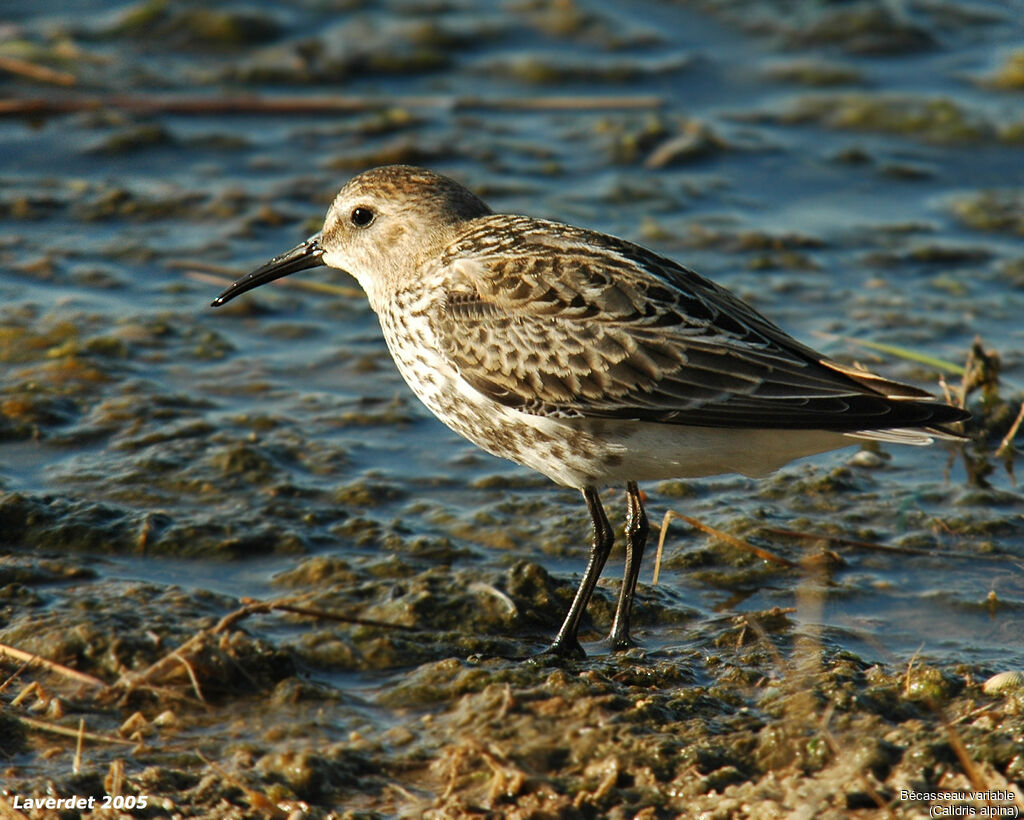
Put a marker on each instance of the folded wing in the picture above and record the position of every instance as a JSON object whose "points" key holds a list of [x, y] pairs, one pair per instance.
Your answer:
{"points": [[555, 320]]}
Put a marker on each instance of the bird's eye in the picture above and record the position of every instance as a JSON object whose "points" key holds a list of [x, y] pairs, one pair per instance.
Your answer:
{"points": [[361, 217]]}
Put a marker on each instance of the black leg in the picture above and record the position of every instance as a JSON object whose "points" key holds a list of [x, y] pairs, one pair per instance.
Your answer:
{"points": [[636, 540], [566, 642]]}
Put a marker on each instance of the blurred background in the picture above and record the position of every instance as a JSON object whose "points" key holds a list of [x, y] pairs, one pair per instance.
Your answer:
{"points": [[855, 170]]}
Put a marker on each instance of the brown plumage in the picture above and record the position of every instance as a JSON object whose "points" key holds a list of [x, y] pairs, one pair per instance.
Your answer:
{"points": [[572, 323], [587, 357]]}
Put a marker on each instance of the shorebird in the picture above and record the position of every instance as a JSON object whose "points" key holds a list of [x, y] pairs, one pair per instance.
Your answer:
{"points": [[589, 358]]}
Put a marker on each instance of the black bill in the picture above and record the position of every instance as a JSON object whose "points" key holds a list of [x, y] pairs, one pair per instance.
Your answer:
{"points": [[307, 255]]}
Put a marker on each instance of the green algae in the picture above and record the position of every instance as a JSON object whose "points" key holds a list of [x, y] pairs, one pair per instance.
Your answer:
{"points": [[179, 25], [930, 685], [1012, 270], [815, 73], [629, 142], [1009, 76], [744, 241], [931, 254], [937, 120], [544, 70], [993, 211], [134, 138], [367, 494], [403, 151], [863, 28]]}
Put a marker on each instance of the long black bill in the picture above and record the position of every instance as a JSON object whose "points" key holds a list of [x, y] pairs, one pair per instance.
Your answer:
{"points": [[307, 255]]}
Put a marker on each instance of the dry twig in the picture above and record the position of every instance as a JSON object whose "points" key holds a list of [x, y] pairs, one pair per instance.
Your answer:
{"points": [[57, 729], [52, 666], [1005, 447], [333, 104], [37, 72], [723, 536]]}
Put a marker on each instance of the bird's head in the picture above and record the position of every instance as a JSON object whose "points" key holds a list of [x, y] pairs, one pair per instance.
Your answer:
{"points": [[379, 229]]}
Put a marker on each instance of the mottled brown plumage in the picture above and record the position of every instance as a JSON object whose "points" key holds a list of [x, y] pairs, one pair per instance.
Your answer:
{"points": [[556, 320], [587, 357]]}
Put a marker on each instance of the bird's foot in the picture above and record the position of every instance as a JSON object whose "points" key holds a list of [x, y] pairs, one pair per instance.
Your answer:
{"points": [[562, 650], [619, 639], [621, 643]]}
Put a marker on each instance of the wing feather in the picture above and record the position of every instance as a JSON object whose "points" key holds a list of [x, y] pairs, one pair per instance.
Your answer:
{"points": [[556, 320]]}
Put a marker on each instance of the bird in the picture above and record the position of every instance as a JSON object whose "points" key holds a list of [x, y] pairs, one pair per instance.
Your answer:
{"points": [[588, 358]]}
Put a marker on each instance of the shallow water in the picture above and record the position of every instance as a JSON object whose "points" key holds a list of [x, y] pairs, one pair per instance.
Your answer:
{"points": [[850, 185]]}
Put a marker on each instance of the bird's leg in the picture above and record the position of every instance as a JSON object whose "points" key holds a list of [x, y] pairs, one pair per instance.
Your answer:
{"points": [[566, 642], [636, 540]]}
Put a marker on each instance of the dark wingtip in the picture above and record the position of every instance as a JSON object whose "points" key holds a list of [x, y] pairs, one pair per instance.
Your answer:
{"points": [[949, 414]]}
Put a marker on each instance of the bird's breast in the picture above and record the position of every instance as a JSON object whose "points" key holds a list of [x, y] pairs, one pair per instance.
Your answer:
{"points": [[563, 454], [417, 354]]}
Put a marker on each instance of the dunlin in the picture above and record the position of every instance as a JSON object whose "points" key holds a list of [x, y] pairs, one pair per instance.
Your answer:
{"points": [[588, 358]]}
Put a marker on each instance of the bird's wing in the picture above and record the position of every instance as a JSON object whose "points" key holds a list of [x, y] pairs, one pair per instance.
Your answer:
{"points": [[556, 320]]}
